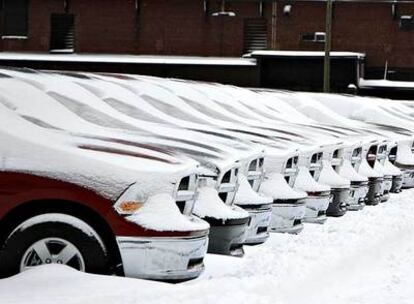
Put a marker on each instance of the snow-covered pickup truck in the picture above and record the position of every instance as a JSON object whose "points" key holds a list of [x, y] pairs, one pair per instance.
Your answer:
{"points": [[72, 107], [95, 206]]}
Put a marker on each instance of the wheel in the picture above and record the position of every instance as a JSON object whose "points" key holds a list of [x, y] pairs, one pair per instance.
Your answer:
{"points": [[53, 238]]}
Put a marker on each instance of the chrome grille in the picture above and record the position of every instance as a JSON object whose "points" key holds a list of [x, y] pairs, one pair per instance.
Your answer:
{"points": [[356, 157], [315, 167], [227, 185], [392, 156], [291, 170], [372, 155], [255, 174], [336, 160], [186, 194], [382, 153]]}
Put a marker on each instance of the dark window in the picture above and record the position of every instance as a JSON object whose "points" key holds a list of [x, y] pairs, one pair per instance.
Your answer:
{"points": [[255, 34], [314, 37], [15, 17], [407, 23], [62, 33]]}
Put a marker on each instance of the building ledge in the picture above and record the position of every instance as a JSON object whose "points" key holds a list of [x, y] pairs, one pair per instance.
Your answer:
{"points": [[132, 59], [307, 54], [11, 37]]}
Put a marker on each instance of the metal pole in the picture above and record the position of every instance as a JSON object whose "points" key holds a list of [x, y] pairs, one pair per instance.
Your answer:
{"points": [[328, 36], [274, 24]]}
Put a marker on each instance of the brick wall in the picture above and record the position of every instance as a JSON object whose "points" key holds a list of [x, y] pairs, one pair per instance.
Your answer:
{"points": [[174, 27], [181, 27], [359, 27]]}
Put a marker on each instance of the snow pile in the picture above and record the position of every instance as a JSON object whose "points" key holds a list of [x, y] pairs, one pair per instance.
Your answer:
{"points": [[209, 204], [247, 196], [160, 213], [404, 154], [366, 170], [347, 170], [328, 176], [393, 170], [305, 182], [275, 186], [381, 169]]}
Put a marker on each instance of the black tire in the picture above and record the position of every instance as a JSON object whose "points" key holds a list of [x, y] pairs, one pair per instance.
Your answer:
{"points": [[89, 245]]}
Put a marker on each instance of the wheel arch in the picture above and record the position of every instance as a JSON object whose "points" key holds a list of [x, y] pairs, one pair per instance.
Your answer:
{"points": [[26, 210]]}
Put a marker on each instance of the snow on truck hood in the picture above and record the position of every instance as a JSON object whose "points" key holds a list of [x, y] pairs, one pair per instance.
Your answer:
{"points": [[246, 196], [276, 187], [365, 109], [210, 204], [106, 169], [334, 109], [58, 116], [162, 206], [215, 92], [328, 176], [164, 94], [90, 96], [189, 101]]}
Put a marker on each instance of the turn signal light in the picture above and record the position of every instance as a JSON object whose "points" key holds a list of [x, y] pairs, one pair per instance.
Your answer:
{"points": [[129, 207]]}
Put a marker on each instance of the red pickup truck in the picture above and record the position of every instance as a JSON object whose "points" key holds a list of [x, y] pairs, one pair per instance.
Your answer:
{"points": [[96, 206]]}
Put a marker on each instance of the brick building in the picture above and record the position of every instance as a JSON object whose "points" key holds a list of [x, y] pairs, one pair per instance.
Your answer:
{"points": [[384, 30]]}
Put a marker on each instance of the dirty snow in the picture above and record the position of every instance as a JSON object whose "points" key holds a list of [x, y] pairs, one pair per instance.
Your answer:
{"points": [[365, 257]]}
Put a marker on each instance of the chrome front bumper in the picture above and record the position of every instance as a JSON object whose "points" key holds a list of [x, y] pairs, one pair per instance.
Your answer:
{"points": [[172, 258], [374, 191], [227, 237], [339, 202], [397, 183], [408, 178], [316, 206], [357, 196], [259, 226], [287, 216], [386, 188]]}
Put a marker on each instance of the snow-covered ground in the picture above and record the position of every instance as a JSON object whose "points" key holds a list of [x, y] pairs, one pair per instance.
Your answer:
{"points": [[363, 257]]}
